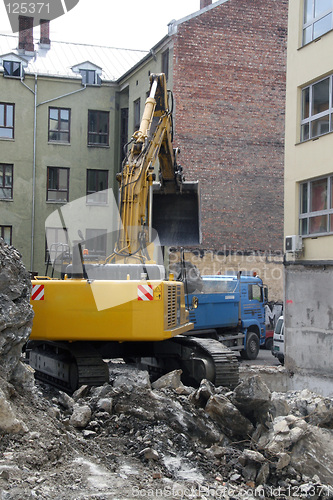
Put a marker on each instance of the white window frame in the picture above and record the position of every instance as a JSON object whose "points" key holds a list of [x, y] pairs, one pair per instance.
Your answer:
{"points": [[314, 19], [313, 117], [328, 212]]}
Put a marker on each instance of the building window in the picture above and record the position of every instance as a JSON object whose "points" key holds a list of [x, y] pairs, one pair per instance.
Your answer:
{"points": [[317, 19], [6, 234], [123, 132], [7, 120], [59, 124], [137, 114], [98, 128], [317, 109], [12, 68], [316, 207], [90, 77], [96, 242], [57, 184], [165, 64], [97, 184], [6, 181]]}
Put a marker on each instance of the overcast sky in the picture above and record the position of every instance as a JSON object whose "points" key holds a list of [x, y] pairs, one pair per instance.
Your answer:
{"points": [[133, 24]]}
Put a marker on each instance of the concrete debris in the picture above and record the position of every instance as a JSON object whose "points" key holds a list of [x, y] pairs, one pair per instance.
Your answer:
{"points": [[233, 423], [203, 393], [170, 380], [8, 420], [132, 379], [81, 416], [15, 315], [65, 401], [253, 398]]}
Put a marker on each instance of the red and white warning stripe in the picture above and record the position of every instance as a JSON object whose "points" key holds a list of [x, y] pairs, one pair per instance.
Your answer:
{"points": [[37, 292], [145, 292]]}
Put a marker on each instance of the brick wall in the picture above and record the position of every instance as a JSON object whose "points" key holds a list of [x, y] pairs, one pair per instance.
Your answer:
{"points": [[229, 91]]}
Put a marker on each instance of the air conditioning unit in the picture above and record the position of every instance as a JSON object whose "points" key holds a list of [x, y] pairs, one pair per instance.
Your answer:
{"points": [[294, 243]]}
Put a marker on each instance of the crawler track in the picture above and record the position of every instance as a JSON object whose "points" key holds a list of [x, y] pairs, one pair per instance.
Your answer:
{"points": [[223, 361], [67, 366]]}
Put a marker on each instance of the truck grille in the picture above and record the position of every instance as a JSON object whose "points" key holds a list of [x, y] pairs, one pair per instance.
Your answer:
{"points": [[192, 317], [172, 307]]}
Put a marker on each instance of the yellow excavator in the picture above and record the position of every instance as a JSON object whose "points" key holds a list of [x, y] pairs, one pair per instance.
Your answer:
{"points": [[125, 307]]}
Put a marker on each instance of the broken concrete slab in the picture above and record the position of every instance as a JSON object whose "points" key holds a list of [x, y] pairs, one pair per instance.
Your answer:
{"points": [[231, 420]]}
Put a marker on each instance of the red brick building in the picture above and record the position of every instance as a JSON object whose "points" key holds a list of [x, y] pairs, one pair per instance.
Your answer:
{"points": [[229, 68]]}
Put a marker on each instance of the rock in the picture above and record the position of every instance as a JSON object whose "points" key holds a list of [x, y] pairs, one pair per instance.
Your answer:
{"points": [[169, 380], [284, 432], [251, 456], [279, 406], [150, 454], [81, 392], [232, 422], [250, 472], [15, 313], [88, 434], [284, 460], [217, 451], [8, 421], [104, 404], [103, 391], [65, 401], [80, 416], [134, 380], [281, 425], [296, 434], [23, 376], [263, 474], [312, 454], [253, 398], [200, 396], [235, 477]]}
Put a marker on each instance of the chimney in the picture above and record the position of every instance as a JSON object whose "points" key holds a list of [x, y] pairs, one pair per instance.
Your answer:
{"points": [[26, 39], [45, 32], [205, 3]]}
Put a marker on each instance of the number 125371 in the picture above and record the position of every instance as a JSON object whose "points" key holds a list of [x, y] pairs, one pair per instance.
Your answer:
{"points": [[28, 8]]}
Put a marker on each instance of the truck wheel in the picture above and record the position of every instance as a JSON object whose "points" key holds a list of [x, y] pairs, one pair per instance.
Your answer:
{"points": [[252, 346], [269, 344]]}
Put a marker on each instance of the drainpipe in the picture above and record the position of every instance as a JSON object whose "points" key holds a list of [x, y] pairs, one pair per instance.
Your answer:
{"points": [[33, 181], [61, 96], [33, 172]]}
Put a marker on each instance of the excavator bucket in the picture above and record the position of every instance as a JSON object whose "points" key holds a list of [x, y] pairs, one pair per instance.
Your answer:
{"points": [[176, 215]]}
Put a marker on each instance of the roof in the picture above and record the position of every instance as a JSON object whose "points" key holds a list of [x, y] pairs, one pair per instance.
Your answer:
{"points": [[59, 58]]}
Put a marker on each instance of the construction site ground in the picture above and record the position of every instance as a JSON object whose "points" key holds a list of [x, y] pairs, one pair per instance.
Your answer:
{"points": [[130, 439]]}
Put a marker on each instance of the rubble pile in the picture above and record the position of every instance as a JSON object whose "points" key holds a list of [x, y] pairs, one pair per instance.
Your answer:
{"points": [[131, 438], [15, 326]]}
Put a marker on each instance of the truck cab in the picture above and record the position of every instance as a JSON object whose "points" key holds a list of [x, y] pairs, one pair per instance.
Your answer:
{"points": [[233, 307]]}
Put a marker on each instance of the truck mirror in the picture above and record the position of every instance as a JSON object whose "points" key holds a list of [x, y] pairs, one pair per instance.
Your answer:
{"points": [[265, 293], [195, 302]]}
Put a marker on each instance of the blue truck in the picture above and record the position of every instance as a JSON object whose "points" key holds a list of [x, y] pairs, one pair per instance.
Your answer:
{"points": [[231, 309]]}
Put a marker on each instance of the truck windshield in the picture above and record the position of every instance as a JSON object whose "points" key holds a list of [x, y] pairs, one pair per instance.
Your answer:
{"points": [[278, 328], [219, 286]]}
